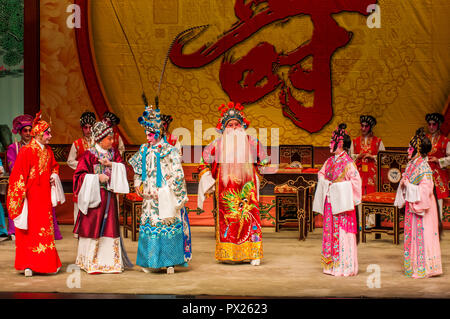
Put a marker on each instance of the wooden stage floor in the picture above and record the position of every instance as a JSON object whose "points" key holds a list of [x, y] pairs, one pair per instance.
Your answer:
{"points": [[289, 269]]}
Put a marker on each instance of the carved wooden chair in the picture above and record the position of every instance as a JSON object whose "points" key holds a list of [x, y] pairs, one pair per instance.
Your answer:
{"points": [[290, 154], [390, 166], [132, 203], [132, 210], [294, 158], [294, 207]]}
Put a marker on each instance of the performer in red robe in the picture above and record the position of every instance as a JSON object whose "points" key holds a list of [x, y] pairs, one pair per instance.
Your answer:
{"points": [[364, 150], [100, 175], [87, 120], [439, 157], [29, 203], [229, 168]]}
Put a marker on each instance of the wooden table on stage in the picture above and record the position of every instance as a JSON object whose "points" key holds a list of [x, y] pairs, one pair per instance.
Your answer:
{"points": [[303, 183]]}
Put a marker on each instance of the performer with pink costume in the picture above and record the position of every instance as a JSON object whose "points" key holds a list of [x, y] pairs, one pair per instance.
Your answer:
{"points": [[422, 251], [338, 192]]}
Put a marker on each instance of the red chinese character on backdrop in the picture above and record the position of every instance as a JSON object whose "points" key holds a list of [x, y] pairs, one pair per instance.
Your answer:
{"points": [[253, 76]]}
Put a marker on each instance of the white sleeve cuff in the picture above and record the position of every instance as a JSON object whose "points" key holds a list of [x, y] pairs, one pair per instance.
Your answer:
{"points": [[320, 195], [341, 197], [204, 185], [21, 221], [89, 195], [72, 158], [412, 193], [119, 183], [57, 191], [399, 198]]}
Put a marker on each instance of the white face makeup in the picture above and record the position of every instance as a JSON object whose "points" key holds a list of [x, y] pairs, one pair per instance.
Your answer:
{"points": [[151, 138], [365, 128], [234, 124], [410, 151], [46, 137], [433, 127]]}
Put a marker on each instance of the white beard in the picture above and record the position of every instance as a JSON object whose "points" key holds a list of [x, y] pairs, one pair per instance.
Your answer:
{"points": [[236, 157]]}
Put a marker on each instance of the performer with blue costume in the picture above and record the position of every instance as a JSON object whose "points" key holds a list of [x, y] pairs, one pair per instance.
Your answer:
{"points": [[164, 232]]}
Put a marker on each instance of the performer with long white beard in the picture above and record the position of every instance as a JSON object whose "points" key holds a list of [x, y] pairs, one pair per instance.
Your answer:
{"points": [[229, 169], [100, 174]]}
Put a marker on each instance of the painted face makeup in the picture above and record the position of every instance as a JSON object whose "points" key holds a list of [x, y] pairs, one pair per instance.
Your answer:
{"points": [[365, 128], [332, 144], [433, 126], [234, 124], [46, 136], [152, 138], [410, 151]]}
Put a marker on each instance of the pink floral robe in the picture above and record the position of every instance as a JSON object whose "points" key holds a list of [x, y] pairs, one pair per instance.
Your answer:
{"points": [[339, 248], [422, 251]]}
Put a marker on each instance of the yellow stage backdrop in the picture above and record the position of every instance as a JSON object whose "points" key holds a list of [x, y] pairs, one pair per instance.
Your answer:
{"points": [[64, 96], [397, 73]]}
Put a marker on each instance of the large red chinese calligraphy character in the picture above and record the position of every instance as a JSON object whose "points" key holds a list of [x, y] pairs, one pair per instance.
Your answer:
{"points": [[253, 76]]}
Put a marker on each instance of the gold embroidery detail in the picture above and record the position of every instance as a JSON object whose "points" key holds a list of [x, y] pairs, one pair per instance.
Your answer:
{"points": [[42, 248]]}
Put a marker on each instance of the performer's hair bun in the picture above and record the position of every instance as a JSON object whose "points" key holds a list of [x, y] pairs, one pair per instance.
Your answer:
{"points": [[342, 126], [421, 143], [425, 147]]}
